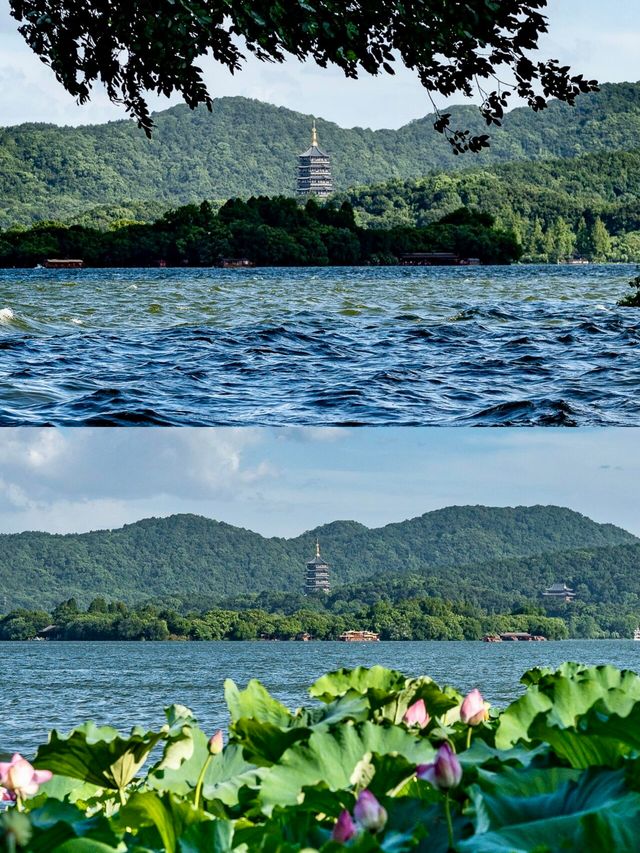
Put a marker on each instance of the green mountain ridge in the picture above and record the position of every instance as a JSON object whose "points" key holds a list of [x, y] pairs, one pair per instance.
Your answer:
{"points": [[193, 557], [245, 147]]}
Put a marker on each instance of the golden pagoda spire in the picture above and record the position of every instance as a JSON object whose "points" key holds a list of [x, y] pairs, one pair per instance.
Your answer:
{"points": [[314, 135], [317, 548]]}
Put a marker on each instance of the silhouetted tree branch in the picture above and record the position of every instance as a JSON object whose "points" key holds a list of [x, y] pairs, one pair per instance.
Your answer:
{"points": [[138, 46]]}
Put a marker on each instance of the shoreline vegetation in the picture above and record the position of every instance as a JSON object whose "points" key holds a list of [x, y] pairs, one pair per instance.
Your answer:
{"points": [[318, 619], [376, 761], [261, 231]]}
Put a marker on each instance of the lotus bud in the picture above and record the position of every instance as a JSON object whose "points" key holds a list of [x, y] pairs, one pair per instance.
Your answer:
{"points": [[216, 743], [445, 772], [416, 715], [20, 779], [473, 710], [369, 813], [344, 828]]}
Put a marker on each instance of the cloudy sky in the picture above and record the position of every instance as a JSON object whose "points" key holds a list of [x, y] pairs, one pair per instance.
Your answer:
{"points": [[597, 38], [281, 482]]}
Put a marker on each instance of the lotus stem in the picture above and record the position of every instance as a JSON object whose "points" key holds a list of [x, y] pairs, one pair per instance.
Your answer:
{"points": [[469, 737], [198, 795], [447, 812]]}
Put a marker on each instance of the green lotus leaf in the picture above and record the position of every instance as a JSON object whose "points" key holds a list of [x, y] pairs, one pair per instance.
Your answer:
{"points": [[376, 680], [55, 822], [84, 845], [211, 836], [98, 754], [518, 811], [255, 702], [265, 742], [565, 696], [330, 758], [166, 813], [66, 788], [227, 774]]}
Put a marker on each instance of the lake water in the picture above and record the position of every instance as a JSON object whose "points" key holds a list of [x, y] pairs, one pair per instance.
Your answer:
{"points": [[486, 345], [59, 685]]}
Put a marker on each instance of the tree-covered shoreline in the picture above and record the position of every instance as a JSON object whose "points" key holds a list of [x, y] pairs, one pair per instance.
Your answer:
{"points": [[382, 608], [264, 231]]}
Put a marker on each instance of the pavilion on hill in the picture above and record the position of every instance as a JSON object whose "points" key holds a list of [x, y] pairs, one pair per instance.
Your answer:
{"points": [[559, 591]]}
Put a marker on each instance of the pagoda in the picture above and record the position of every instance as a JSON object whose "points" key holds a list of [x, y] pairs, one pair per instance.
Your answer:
{"points": [[314, 171], [317, 575]]}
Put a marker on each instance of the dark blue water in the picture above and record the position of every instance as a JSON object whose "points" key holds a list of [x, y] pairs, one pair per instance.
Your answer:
{"points": [[504, 345], [59, 685]]}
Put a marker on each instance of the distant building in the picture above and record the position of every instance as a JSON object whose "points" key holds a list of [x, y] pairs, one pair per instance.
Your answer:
{"points": [[559, 591], [317, 575], [314, 171]]}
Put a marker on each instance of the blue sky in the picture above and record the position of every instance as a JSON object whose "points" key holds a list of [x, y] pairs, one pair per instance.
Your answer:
{"points": [[281, 482], [597, 38]]}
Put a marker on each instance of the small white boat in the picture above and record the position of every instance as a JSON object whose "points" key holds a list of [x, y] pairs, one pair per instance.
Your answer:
{"points": [[636, 634]]}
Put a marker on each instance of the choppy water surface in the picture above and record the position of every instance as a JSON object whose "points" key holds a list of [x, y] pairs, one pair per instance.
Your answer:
{"points": [[487, 345], [59, 685]]}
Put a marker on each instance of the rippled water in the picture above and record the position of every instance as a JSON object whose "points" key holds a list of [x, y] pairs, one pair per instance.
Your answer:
{"points": [[487, 345], [59, 685]]}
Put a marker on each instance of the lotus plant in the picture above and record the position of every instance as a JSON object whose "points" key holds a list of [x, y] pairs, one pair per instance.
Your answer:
{"points": [[344, 829], [370, 816], [368, 812], [215, 745], [417, 715], [444, 774], [473, 711], [19, 779]]}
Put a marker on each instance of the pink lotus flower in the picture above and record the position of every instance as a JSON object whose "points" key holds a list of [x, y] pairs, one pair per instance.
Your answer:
{"points": [[19, 779], [445, 772], [7, 796], [416, 715], [216, 743], [368, 812], [473, 710], [344, 829]]}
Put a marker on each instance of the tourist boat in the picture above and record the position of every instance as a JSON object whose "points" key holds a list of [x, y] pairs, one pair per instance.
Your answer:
{"points": [[64, 263], [636, 634], [513, 637], [359, 637]]}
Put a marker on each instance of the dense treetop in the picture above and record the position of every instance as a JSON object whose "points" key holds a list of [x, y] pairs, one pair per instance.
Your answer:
{"points": [[247, 148], [485, 554], [264, 231], [133, 48]]}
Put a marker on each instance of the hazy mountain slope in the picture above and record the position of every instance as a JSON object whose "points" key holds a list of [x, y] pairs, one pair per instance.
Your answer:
{"points": [[190, 555]]}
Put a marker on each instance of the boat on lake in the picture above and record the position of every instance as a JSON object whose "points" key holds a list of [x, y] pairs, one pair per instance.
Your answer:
{"points": [[359, 637], [514, 637]]}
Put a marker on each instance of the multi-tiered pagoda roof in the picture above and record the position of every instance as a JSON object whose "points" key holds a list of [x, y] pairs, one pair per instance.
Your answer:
{"points": [[317, 575], [314, 170]]}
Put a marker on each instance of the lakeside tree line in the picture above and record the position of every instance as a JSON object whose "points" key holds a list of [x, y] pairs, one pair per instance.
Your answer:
{"points": [[583, 207], [418, 619], [266, 231], [398, 608]]}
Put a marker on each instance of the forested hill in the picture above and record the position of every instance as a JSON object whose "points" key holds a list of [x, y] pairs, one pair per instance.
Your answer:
{"points": [[194, 558], [246, 147]]}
